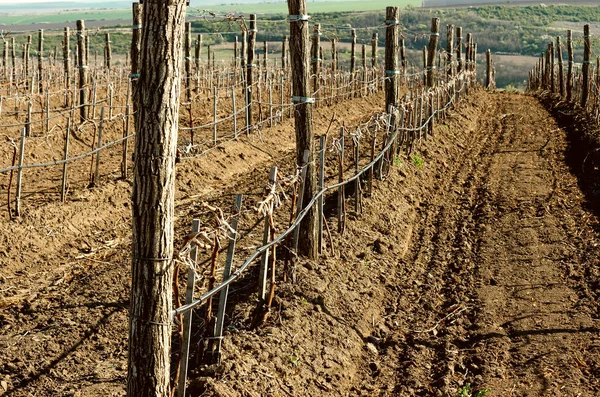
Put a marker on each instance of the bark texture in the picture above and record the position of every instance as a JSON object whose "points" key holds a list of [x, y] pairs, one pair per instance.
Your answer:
{"points": [[303, 121], [153, 198]]}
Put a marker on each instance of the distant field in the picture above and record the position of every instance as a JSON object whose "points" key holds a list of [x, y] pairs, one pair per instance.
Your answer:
{"points": [[262, 8]]}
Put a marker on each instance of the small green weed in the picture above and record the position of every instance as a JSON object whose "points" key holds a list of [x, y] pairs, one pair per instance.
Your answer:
{"points": [[303, 302], [417, 161], [397, 161], [465, 391], [294, 359]]}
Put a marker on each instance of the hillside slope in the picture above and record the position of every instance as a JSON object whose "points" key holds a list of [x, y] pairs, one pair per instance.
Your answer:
{"points": [[474, 261]]}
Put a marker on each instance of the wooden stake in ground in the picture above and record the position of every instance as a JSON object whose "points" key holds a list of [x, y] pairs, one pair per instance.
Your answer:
{"points": [[431, 50], [303, 117], [570, 65], [82, 69], [561, 72], [151, 307], [392, 14], [136, 43], [585, 68], [40, 59]]}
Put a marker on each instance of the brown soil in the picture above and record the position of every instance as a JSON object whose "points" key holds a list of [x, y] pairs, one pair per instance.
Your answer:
{"points": [[480, 267]]}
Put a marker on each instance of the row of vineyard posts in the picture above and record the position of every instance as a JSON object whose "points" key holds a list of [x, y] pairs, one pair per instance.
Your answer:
{"points": [[407, 119], [76, 98], [580, 83], [96, 98]]}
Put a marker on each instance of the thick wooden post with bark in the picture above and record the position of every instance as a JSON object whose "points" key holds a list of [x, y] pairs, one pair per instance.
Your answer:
{"points": [[459, 61], [315, 61], [392, 14], [585, 68], [107, 52], [151, 307], [431, 50], [303, 118]]}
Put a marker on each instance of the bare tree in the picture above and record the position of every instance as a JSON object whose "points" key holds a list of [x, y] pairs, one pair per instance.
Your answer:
{"points": [[157, 95]]}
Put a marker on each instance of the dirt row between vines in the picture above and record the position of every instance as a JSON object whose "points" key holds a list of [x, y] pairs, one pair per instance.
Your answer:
{"points": [[472, 262]]}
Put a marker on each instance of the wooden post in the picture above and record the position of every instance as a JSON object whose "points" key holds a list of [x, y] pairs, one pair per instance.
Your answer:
{"points": [[151, 306], [459, 60], [66, 60], [26, 61], [187, 48], [353, 63], [320, 202], [98, 146], [552, 67], [135, 50], [235, 129], [13, 58], [561, 72], [450, 51], [315, 60], [433, 42], [215, 99], [5, 60], [303, 116], [264, 261], [197, 51], [237, 207], [392, 15], [403, 60], [283, 53], [28, 124], [587, 49], [300, 202], [333, 58], [108, 50], [340, 193], [63, 188], [125, 143], [40, 55], [570, 65], [374, 56], [488, 69], [249, 66], [187, 316], [20, 173], [357, 188], [82, 70]]}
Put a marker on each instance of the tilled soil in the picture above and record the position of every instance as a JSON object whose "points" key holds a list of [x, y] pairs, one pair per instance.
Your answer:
{"points": [[473, 262]]}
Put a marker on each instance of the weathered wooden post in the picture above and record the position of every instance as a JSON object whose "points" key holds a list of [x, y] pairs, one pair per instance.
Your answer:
{"points": [[283, 53], [250, 66], [433, 41], [82, 70], [450, 51], [552, 67], [587, 49], [315, 60], [40, 55], [26, 61], [353, 62], [151, 307], [108, 51], [570, 65], [489, 80], [20, 173], [561, 73], [459, 60], [63, 188], [5, 60], [135, 50], [303, 117], [66, 60], [392, 15], [187, 48], [333, 57], [374, 42]]}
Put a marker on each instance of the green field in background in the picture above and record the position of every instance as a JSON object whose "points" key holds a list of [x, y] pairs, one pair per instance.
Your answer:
{"points": [[262, 8]]}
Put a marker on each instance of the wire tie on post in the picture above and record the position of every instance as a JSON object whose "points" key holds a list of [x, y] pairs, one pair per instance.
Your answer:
{"points": [[136, 27], [152, 259], [134, 76], [252, 30], [82, 67], [302, 99], [298, 18], [435, 34], [391, 22], [392, 72]]}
